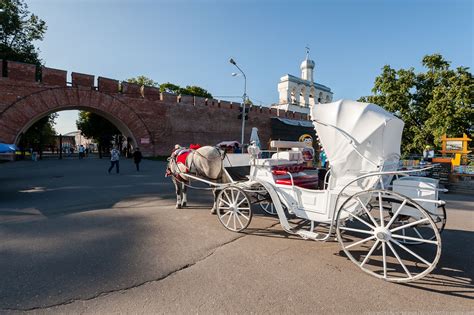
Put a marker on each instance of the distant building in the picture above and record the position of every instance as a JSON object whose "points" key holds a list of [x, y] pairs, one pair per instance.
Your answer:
{"points": [[75, 139], [298, 94]]}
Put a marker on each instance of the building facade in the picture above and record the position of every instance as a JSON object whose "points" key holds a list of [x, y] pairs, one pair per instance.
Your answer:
{"points": [[297, 94]]}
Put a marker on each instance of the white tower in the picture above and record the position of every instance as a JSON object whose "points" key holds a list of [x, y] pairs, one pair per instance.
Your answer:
{"points": [[307, 68], [299, 93]]}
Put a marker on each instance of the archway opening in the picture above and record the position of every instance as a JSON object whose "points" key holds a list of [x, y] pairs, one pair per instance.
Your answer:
{"points": [[75, 132]]}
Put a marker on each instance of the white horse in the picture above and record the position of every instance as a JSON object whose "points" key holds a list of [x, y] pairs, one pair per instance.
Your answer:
{"points": [[205, 162]]}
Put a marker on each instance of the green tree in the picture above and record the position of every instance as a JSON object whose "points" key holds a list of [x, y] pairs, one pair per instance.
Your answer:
{"points": [[431, 103], [143, 81], [40, 134], [96, 127], [192, 90], [196, 91], [18, 30], [170, 88]]}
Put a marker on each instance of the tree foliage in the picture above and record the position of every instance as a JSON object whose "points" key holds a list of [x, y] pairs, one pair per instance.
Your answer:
{"points": [[18, 31], [143, 81], [192, 90], [168, 87], [96, 127], [41, 133], [431, 103]]}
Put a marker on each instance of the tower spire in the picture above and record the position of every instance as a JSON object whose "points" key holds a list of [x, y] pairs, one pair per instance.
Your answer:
{"points": [[307, 51]]}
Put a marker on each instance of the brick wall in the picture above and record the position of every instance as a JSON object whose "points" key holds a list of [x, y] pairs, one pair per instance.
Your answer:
{"points": [[162, 119]]}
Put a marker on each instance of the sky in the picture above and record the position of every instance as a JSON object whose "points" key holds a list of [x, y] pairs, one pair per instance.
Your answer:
{"points": [[190, 42]]}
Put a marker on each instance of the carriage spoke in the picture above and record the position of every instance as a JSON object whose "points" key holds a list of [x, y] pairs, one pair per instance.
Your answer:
{"points": [[240, 222], [230, 217], [241, 201], [359, 219], [235, 226], [370, 253], [381, 210], [417, 232], [227, 203], [409, 224], [227, 212], [246, 217], [356, 230], [399, 260], [361, 241], [227, 196], [384, 257], [367, 211], [396, 213], [411, 252], [235, 197], [422, 240]]}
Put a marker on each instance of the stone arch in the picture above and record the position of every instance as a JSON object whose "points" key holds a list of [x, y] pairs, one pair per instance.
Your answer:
{"points": [[320, 97], [18, 116], [311, 97], [328, 99], [302, 96], [293, 97]]}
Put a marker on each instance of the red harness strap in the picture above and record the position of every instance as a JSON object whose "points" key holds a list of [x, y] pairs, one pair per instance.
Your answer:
{"points": [[181, 158]]}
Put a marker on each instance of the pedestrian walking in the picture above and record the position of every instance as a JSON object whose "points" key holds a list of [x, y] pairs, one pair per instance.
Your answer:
{"points": [[137, 158], [81, 152], [114, 159]]}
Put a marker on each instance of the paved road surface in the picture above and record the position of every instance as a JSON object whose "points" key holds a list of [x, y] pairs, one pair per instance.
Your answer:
{"points": [[75, 239]]}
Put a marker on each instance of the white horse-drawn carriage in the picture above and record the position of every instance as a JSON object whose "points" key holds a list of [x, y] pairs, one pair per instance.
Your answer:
{"points": [[387, 222]]}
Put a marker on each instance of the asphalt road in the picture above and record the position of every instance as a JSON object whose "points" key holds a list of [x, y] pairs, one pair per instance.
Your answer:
{"points": [[75, 239]]}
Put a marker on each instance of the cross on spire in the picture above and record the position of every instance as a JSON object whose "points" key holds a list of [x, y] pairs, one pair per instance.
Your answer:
{"points": [[307, 52]]}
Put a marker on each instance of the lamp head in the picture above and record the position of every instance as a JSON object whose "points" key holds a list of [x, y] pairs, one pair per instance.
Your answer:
{"points": [[232, 61], [234, 74]]}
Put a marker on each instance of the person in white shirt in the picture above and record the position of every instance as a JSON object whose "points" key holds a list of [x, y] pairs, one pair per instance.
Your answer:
{"points": [[81, 152], [114, 159]]}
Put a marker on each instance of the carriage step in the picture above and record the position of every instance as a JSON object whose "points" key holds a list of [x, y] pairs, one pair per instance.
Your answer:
{"points": [[307, 234]]}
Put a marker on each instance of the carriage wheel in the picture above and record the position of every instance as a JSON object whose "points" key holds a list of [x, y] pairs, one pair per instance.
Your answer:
{"points": [[268, 207], [374, 240], [234, 208]]}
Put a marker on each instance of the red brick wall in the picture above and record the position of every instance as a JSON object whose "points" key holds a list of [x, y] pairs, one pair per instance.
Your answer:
{"points": [[163, 119]]}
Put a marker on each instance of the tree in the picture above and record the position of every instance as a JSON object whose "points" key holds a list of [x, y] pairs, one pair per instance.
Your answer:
{"points": [[170, 88], [192, 90], [432, 103], [41, 133], [143, 81], [18, 30], [96, 127], [196, 91]]}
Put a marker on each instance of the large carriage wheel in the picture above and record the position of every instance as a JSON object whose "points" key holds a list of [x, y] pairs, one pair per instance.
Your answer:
{"points": [[234, 208], [374, 240]]}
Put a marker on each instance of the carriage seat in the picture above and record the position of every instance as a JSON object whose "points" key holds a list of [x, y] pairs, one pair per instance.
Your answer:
{"points": [[303, 181], [292, 155]]}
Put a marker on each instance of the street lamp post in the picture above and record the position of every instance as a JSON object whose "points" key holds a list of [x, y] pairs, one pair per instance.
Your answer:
{"points": [[244, 100]]}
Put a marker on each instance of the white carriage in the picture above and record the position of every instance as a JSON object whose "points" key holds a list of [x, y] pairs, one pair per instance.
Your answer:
{"points": [[387, 222]]}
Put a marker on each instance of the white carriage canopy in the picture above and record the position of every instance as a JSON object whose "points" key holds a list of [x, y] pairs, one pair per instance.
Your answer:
{"points": [[357, 137]]}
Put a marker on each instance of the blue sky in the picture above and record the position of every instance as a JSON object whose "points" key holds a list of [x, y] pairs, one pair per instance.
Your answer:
{"points": [[190, 42]]}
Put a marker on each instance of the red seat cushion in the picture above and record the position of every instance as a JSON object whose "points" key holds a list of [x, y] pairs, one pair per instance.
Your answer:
{"points": [[304, 181]]}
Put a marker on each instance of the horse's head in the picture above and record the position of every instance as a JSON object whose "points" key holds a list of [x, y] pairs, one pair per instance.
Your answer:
{"points": [[169, 167]]}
